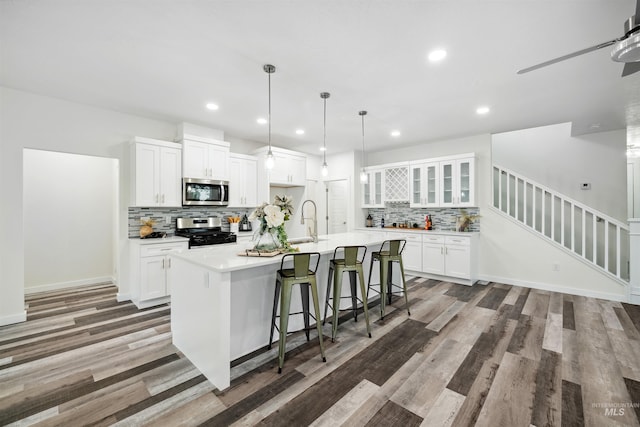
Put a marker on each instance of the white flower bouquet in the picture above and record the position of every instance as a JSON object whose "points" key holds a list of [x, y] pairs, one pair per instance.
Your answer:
{"points": [[272, 218]]}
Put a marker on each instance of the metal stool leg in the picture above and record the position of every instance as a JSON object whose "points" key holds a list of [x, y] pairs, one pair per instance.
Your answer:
{"points": [[384, 265], [337, 293], [285, 304], [354, 294], [316, 307], [364, 300], [273, 314], [326, 301], [304, 294], [404, 286]]}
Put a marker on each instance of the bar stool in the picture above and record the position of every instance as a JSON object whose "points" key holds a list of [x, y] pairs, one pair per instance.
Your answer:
{"points": [[302, 275], [346, 259], [390, 252]]}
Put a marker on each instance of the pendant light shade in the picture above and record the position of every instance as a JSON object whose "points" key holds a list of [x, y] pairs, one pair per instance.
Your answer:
{"points": [[363, 175], [269, 161], [325, 168]]}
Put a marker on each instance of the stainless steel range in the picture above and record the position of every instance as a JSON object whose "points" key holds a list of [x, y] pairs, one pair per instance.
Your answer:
{"points": [[203, 231]]}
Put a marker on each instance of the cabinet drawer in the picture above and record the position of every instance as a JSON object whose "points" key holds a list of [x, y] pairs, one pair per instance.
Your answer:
{"points": [[432, 239], [455, 240], [409, 237], [160, 249]]}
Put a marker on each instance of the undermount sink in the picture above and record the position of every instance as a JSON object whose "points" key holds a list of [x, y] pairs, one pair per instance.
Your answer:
{"points": [[307, 239]]}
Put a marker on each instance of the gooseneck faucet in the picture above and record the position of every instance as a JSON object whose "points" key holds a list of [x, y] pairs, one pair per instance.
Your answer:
{"points": [[314, 233]]}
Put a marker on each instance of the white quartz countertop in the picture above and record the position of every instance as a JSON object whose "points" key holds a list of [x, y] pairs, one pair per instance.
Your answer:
{"points": [[152, 241], [419, 230], [225, 258]]}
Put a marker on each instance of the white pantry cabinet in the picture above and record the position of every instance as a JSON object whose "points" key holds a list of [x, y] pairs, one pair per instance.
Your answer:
{"points": [[243, 181], [373, 189], [205, 158], [155, 173], [150, 264]]}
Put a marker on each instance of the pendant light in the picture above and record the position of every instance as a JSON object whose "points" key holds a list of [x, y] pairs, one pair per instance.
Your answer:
{"points": [[270, 161], [325, 169], [363, 175]]}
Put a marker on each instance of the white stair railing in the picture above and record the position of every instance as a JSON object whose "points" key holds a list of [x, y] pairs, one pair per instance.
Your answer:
{"points": [[591, 235]]}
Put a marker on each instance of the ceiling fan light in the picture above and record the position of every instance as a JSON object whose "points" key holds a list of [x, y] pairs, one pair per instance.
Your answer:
{"points": [[627, 50]]}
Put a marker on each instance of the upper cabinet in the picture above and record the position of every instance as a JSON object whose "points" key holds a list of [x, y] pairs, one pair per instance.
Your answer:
{"points": [[155, 173], [424, 181], [243, 181], [290, 167], [373, 189], [457, 182], [205, 158]]}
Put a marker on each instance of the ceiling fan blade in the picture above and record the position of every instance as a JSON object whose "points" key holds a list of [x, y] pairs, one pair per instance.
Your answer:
{"points": [[570, 55], [630, 68]]}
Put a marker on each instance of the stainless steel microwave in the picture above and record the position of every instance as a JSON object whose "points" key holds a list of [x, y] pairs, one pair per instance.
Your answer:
{"points": [[204, 192]]}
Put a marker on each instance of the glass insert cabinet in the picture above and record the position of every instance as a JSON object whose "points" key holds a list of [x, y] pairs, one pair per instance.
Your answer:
{"points": [[444, 183], [373, 189]]}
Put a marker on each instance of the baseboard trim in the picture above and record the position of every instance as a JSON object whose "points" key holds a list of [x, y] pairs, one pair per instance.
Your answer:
{"points": [[14, 318], [555, 288], [69, 284]]}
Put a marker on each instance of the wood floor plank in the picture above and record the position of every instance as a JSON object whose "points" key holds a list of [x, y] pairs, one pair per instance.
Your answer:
{"points": [[568, 318], [445, 317], [570, 362], [634, 314], [514, 382], [527, 337], [445, 409], [627, 324], [340, 412], [537, 304], [474, 402], [547, 401], [634, 391], [572, 408], [394, 415], [493, 299], [552, 340]]}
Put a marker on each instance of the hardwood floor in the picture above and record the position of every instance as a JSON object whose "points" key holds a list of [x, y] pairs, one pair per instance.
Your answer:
{"points": [[490, 355]]}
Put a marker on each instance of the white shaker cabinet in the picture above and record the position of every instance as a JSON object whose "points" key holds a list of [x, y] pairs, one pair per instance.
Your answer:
{"points": [[424, 181], [457, 182], [243, 181], [150, 264], [290, 167], [373, 189], [412, 254], [450, 256], [155, 173], [205, 158]]}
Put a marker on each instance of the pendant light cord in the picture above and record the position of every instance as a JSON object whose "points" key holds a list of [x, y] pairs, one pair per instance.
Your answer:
{"points": [[362, 114], [324, 137], [269, 74]]}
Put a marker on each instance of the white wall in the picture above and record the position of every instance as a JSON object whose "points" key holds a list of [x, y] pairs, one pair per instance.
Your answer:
{"points": [[37, 122], [552, 157], [70, 217]]}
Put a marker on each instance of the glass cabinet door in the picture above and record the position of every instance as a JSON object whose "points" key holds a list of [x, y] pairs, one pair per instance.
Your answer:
{"points": [[431, 172], [464, 178], [416, 185], [377, 179], [366, 190], [447, 183]]}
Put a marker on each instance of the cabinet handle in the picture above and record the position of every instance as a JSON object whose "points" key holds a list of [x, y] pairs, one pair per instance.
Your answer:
{"points": [[446, 251], [157, 198], [169, 263], [163, 263], [163, 198]]}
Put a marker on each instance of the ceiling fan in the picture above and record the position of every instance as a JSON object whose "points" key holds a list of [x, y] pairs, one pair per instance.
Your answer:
{"points": [[626, 49]]}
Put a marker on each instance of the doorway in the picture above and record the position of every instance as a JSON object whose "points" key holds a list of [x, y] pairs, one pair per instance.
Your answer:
{"points": [[70, 210], [337, 193]]}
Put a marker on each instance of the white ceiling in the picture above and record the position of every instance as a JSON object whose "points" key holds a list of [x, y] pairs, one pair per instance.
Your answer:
{"points": [[165, 59]]}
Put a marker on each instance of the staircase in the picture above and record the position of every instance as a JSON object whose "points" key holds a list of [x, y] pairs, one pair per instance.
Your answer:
{"points": [[592, 236]]}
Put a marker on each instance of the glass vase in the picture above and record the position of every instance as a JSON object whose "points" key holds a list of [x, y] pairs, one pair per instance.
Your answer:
{"points": [[266, 241]]}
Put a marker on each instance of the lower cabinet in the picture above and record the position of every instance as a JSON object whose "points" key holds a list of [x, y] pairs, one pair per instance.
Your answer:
{"points": [[450, 256], [412, 254], [150, 264]]}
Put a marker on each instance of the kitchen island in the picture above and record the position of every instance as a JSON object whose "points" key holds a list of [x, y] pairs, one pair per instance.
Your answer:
{"points": [[221, 302]]}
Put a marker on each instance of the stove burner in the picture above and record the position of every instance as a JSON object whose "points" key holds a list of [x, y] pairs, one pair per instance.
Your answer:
{"points": [[203, 231]]}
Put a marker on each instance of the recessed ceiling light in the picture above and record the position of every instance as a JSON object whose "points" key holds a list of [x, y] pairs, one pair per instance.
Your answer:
{"points": [[299, 131], [437, 55], [323, 149], [212, 106], [262, 121], [482, 110], [395, 133]]}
